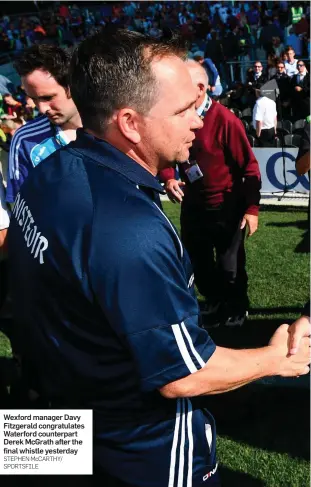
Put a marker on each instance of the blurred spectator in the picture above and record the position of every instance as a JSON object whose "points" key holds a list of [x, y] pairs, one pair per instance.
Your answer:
{"points": [[6, 86], [295, 42], [267, 33], [300, 84], [64, 12], [277, 46], [9, 128], [155, 31], [12, 107], [215, 87], [302, 27], [291, 63], [253, 16], [271, 69], [296, 13], [214, 49], [223, 12]]}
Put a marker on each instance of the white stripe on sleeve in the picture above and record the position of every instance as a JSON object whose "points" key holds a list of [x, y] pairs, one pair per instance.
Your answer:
{"points": [[193, 350], [183, 349]]}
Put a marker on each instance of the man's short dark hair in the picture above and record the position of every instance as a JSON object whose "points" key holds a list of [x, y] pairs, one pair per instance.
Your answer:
{"points": [[109, 72], [51, 59]]}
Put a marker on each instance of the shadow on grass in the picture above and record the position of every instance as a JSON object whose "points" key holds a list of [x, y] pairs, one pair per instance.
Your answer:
{"points": [[304, 245], [231, 478], [275, 310], [283, 209], [272, 414], [302, 224]]}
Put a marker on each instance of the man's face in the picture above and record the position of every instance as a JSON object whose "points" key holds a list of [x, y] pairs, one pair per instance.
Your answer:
{"points": [[281, 68], [301, 66], [50, 98], [167, 131], [257, 68], [9, 100], [291, 54]]}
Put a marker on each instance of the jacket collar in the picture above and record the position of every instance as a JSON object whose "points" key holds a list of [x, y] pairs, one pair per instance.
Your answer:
{"points": [[107, 155]]}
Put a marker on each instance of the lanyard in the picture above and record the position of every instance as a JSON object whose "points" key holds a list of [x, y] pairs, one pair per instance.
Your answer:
{"points": [[58, 136]]}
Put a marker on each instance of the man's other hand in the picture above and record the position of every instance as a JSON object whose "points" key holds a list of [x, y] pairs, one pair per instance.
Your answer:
{"points": [[301, 328], [252, 223], [290, 365], [174, 191]]}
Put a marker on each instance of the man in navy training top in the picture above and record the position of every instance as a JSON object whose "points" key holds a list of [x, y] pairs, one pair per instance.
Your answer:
{"points": [[102, 287], [44, 74]]}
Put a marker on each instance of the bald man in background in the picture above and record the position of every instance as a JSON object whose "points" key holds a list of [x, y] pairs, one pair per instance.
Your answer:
{"points": [[220, 193]]}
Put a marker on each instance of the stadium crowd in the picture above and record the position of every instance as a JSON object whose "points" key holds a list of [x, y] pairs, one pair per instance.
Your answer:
{"points": [[242, 45]]}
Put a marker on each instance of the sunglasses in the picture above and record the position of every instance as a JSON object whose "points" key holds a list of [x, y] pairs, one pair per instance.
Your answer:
{"points": [[300, 65], [258, 67]]}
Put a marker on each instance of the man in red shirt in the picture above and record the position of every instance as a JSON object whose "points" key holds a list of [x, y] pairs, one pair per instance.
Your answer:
{"points": [[220, 193]]}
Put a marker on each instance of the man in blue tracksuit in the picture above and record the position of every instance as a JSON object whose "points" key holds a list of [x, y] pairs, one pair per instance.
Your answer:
{"points": [[104, 293], [212, 73]]}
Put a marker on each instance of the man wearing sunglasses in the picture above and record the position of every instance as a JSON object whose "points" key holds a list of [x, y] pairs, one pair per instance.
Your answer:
{"points": [[300, 85], [255, 80], [283, 82]]}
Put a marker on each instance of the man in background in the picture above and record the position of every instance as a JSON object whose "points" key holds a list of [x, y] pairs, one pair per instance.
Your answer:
{"points": [[291, 63], [44, 74], [217, 206], [265, 120]]}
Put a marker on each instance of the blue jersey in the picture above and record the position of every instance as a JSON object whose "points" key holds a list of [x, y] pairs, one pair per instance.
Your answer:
{"points": [[30, 145], [107, 313]]}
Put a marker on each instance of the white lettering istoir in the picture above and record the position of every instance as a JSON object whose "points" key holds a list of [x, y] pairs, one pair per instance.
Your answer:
{"points": [[36, 242]]}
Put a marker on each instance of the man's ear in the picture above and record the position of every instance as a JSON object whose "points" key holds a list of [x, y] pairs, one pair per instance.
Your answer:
{"points": [[128, 123], [201, 88]]}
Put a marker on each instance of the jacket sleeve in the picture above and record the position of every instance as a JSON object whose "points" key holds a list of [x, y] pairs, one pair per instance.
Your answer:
{"points": [[166, 174], [238, 146], [17, 168]]}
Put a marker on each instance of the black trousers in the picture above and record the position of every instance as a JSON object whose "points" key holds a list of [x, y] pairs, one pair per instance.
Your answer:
{"points": [[215, 244], [266, 138]]}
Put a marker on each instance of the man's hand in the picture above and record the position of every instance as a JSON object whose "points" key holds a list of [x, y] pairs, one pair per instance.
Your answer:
{"points": [[290, 365], [174, 191], [301, 328], [298, 88], [252, 223]]}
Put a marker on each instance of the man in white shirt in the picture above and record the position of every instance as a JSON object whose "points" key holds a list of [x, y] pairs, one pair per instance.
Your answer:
{"points": [[291, 63], [265, 120]]}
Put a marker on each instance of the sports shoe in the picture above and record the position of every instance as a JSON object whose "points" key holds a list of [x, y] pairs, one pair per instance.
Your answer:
{"points": [[237, 320], [209, 308]]}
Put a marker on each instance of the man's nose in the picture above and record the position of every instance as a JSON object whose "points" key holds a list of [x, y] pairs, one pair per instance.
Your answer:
{"points": [[197, 122], [43, 107]]}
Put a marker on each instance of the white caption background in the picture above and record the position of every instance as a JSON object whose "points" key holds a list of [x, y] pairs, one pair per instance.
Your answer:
{"points": [[46, 442]]}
